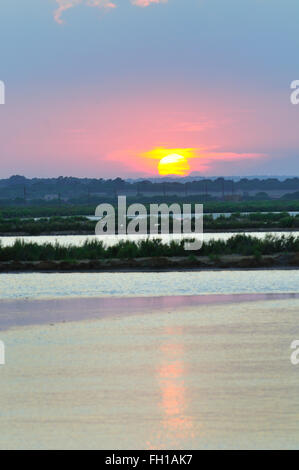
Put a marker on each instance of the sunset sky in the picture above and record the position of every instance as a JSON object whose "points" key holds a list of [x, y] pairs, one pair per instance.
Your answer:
{"points": [[95, 87]]}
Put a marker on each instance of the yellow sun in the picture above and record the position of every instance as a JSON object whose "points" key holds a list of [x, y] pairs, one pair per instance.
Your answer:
{"points": [[173, 164]]}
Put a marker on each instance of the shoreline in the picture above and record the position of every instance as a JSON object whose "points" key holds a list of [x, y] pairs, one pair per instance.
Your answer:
{"points": [[189, 263]]}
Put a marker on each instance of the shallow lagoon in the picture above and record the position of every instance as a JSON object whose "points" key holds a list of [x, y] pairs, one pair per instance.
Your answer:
{"points": [[128, 284], [186, 377]]}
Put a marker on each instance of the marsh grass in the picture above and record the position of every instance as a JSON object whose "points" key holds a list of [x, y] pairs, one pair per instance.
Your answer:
{"points": [[240, 244]]}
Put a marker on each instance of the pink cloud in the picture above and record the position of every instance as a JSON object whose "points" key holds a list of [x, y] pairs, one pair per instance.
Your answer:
{"points": [[146, 3], [224, 162], [64, 5], [192, 126]]}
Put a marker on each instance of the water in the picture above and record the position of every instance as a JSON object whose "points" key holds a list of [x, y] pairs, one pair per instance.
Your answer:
{"points": [[119, 361], [215, 215], [57, 285], [204, 377]]}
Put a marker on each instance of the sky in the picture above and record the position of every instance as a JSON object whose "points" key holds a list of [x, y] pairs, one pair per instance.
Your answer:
{"points": [[97, 87]]}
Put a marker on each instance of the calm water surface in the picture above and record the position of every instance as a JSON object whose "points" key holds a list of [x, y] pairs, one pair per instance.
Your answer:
{"points": [[205, 377], [47, 285]]}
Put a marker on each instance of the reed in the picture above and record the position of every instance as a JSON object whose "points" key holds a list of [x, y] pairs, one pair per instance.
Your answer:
{"points": [[240, 244]]}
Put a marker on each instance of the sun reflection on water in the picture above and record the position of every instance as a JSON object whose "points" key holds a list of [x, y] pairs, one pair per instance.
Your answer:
{"points": [[176, 424]]}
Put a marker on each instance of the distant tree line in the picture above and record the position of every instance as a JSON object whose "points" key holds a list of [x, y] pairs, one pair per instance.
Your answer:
{"points": [[70, 188]]}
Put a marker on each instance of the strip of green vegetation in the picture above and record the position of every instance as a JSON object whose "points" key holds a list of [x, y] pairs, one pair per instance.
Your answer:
{"points": [[41, 226], [80, 224], [91, 250], [45, 211], [50, 210]]}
